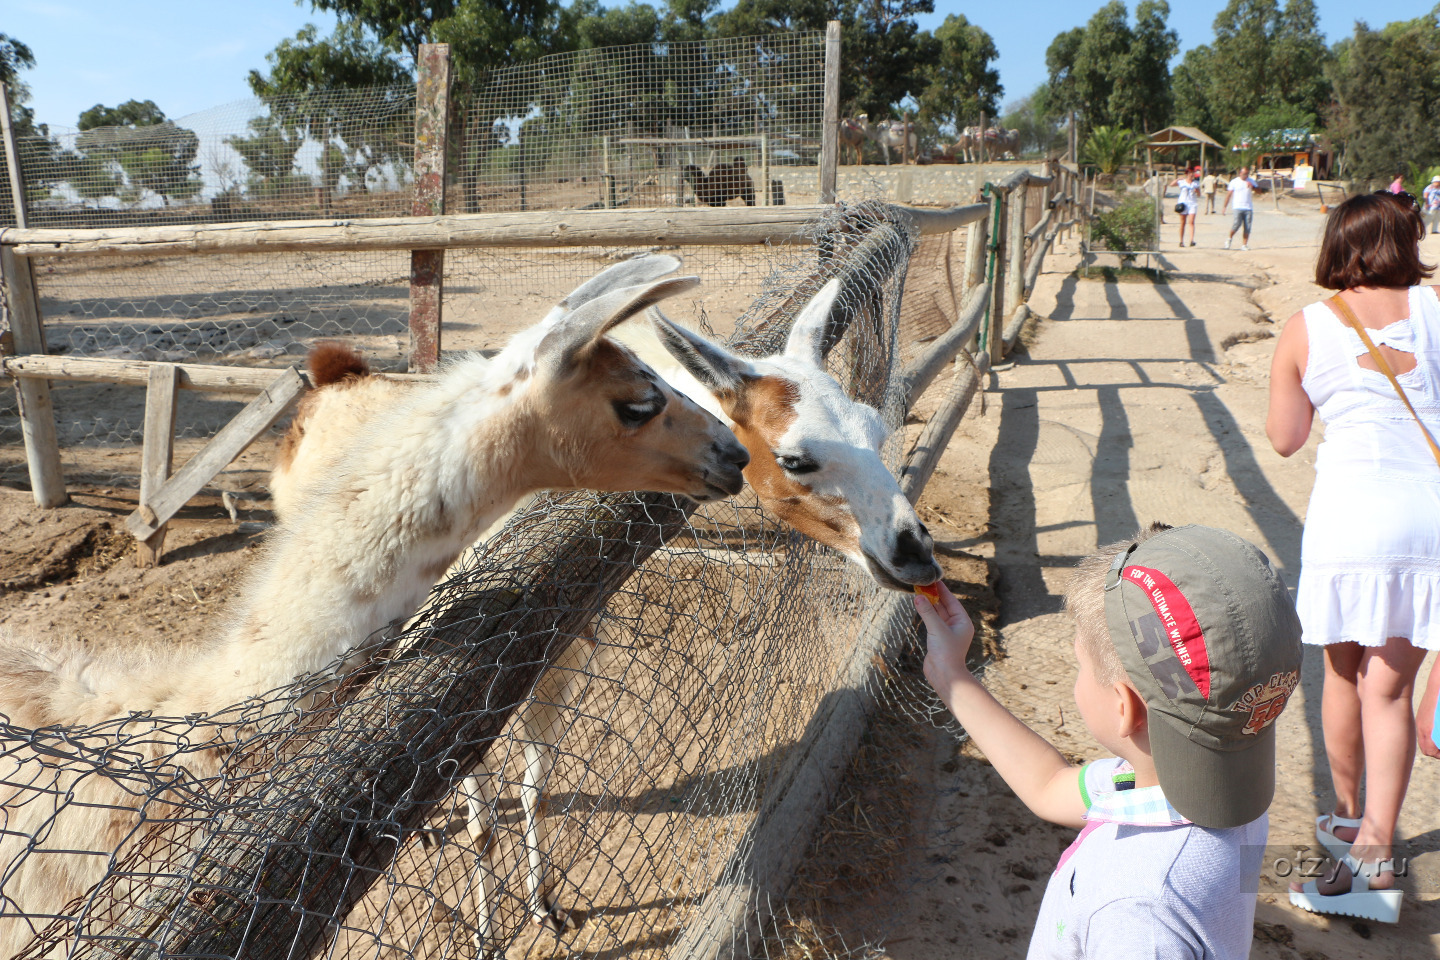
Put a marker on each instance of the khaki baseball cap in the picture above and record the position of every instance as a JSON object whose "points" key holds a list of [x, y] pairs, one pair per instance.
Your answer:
{"points": [[1209, 637]]}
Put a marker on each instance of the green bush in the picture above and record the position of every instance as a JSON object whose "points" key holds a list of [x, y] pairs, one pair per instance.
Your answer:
{"points": [[1130, 226]]}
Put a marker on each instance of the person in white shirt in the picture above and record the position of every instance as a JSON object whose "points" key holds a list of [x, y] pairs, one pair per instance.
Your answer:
{"points": [[1189, 203], [1242, 191]]}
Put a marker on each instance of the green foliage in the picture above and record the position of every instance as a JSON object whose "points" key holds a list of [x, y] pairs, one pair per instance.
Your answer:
{"points": [[483, 34], [268, 151], [883, 51], [961, 79], [1113, 74], [306, 92], [1042, 132], [1387, 92], [1110, 148], [1263, 55], [1130, 226], [14, 57], [131, 113], [132, 148], [1420, 177]]}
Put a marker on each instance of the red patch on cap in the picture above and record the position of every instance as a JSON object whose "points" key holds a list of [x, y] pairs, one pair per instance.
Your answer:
{"points": [[1181, 627]]}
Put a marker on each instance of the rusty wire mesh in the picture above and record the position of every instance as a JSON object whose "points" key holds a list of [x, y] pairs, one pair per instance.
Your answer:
{"points": [[652, 664]]}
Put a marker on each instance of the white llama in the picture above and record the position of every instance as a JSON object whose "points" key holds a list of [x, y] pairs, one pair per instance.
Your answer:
{"points": [[562, 406]]}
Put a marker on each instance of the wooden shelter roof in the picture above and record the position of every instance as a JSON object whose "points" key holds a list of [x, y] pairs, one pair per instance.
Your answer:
{"points": [[1179, 136]]}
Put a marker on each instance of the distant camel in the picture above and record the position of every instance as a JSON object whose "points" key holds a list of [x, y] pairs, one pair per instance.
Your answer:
{"points": [[897, 133], [723, 183], [854, 131]]}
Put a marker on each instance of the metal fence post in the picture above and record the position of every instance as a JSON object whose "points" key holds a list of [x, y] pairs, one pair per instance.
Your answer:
{"points": [[427, 267]]}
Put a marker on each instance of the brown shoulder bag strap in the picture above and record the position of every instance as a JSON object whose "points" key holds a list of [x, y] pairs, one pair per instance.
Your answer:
{"points": [[1348, 315]]}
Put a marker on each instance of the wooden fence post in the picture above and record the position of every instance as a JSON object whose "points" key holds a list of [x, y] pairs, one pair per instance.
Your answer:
{"points": [[427, 267], [830, 123], [995, 325], [1015, 250], [27, 335], [157, 454]]}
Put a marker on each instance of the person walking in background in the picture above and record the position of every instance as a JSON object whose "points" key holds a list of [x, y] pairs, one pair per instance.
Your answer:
{"points": [[1189, 203], [1208, 185], [1398, 184], [1432, 203], [1241, 190], [1369, 576]]}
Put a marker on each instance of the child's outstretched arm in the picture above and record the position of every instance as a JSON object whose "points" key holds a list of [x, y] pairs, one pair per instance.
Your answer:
{"points": [[1034, 769]]}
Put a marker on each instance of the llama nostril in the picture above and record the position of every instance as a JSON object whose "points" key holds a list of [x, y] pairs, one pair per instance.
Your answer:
{"points": [[733, 452], [913, 548]]}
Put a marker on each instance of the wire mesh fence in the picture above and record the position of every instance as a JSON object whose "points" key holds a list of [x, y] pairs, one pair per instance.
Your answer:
{"points": [[644, 125], [586, 715]]}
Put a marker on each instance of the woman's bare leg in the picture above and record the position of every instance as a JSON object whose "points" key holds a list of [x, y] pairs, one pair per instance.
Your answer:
{"points": [[1340, 718], [1386, 683]]}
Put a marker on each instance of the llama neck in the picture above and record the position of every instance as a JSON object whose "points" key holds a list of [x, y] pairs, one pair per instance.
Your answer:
{"points": [[364, 551]]}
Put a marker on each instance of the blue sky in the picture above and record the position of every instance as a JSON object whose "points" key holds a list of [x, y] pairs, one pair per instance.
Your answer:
{"points": [[188, 55]]}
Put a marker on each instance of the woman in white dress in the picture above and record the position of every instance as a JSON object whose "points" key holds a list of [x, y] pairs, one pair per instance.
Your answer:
{"points": [[1370, 555], [1189, 203]]}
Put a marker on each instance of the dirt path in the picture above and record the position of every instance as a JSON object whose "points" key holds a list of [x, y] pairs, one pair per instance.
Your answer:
{"points": [[1141, 402]]}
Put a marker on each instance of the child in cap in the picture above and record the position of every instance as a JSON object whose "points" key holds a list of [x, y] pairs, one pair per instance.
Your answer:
{"points": [[1188, 647]]}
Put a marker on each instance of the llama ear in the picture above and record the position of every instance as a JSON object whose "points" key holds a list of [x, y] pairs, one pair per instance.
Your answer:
{"points": [[719, 370], [576, 333], [807, 333], [630, 273]]}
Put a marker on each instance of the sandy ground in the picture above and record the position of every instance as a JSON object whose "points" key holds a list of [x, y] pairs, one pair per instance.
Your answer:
{"points": [[1139, 402]]}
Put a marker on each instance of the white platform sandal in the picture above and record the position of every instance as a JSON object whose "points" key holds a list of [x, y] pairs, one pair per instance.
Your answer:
{"points": [[1325, 825], [1382, 906]]}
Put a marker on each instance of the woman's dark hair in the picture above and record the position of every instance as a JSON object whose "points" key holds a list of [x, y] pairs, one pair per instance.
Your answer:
{"points": [[1372, 240]]}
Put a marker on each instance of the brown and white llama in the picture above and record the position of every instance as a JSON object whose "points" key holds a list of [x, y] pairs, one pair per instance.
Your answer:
{"points": [[815, 463], [562, 406]]}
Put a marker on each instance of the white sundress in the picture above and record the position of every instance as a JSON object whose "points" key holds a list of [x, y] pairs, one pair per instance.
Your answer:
{"points": [[1190, 196], [1370, 554]]}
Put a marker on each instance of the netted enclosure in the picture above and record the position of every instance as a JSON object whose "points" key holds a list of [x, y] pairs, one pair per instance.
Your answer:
{"points": [[266, 311], [605, 717], [644, 125]]}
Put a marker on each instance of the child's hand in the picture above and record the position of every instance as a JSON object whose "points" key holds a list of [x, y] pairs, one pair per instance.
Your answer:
{"points": [[948, 634]]}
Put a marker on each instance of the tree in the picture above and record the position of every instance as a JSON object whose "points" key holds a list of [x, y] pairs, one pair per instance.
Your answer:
{"points": [[313, 93], [14, 57], [884, 51], [131, 113], [483, 34], [137, 150], [1113, 74], [1110, 148], [1387, 93], [962, 80], [1263, 55], [1041, 130]]}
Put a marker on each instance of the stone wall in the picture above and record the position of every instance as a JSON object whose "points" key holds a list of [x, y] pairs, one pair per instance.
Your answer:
{"points": [[932, 185]]}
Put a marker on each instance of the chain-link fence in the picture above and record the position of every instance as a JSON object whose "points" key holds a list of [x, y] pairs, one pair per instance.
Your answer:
{"points": [[638, 676]]}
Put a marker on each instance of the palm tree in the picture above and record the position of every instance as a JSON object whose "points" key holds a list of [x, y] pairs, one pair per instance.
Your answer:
{"points": [[1110, 147]]}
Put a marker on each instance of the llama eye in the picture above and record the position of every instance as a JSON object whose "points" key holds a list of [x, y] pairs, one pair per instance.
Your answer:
{"points": [[635, 414], [796, 464]]}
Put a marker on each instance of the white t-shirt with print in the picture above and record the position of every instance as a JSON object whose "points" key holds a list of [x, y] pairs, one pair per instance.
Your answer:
{"points": [[1143, 882], [1242, 191]]}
